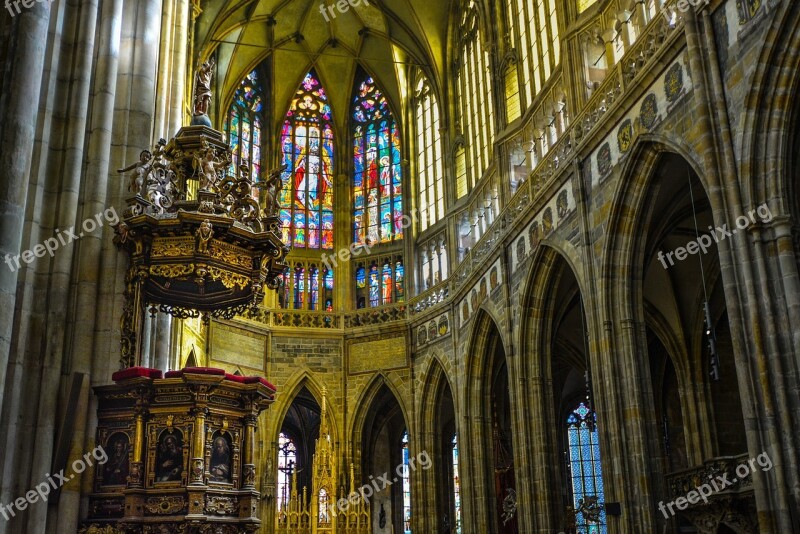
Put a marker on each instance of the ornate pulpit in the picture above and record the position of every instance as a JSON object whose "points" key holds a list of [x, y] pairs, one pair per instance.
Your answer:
{"points": [[199, 243]]}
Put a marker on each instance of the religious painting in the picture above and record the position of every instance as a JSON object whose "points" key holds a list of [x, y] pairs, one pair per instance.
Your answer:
{"points": [[220, 467], [116, 469], [169, 457]]}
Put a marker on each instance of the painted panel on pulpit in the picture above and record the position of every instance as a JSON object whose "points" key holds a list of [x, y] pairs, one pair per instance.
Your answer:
{"points": [[117, 468], [221, 458], [169, 457]]}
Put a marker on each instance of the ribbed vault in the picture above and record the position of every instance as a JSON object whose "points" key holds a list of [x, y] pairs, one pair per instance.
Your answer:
{"points": [[386, 39]]}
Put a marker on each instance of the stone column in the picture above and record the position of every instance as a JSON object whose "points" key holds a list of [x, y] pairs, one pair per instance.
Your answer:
{"points": [[18, 117]]}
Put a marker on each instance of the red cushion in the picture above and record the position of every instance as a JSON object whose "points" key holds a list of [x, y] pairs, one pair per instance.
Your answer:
{"points": [[204, 371], [135, 372], [267, 383], [173, 374], [236, 378]]}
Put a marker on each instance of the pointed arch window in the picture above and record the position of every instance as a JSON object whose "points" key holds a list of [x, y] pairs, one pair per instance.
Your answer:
{"points": [[474, 95], [377, 176], [534, 32], [429, 156], [244, 126], [307, 150], [406, 485], [456, 487], [585, 469], [287, 463]]}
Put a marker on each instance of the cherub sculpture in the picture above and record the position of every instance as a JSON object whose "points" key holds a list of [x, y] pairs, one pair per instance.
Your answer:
{"points": [[141, 172], [207, 166]]}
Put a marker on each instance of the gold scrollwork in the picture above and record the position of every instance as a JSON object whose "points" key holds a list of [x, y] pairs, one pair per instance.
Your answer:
{"points": [[172, 247], [228, 279], [230, 255], [172, 271], [164, 505]]}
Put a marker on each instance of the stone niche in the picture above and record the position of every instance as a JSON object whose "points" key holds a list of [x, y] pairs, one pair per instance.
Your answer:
{"points": [[180, 453]]}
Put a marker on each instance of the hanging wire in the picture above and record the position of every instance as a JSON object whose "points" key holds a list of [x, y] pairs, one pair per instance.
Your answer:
{"points": [[712, 341], [587, 375]]}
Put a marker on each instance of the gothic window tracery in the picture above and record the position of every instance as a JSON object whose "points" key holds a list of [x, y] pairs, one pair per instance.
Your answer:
{"points": [[585, 470], [377, 171], [474, 96], [307, 150], [244, 124], [429, 156], [287, 463]]}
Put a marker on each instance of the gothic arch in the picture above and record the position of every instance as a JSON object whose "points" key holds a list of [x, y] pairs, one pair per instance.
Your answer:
{"points": [[555, 317], [769, 108], [431, 486], [303, 379], [487, 362], [366, 400]]}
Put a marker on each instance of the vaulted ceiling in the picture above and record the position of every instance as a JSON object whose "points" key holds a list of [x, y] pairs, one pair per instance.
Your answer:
{"points": [[386, 37]]}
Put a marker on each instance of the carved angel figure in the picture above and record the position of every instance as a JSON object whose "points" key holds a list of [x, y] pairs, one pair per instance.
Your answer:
{"points": [[204, 235], [272, 187], [208, 169], [141, 171], [202, 87]]}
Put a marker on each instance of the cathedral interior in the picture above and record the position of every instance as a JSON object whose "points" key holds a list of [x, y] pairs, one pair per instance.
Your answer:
{"points": [[394, 266]]}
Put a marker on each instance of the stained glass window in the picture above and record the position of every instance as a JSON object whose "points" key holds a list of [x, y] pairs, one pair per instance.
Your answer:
{"points": [[243, 126], [474, 96], [313, 276], [377, 178], [456, 488], [299, 287], [307, 285], [429, 156], [585, 469], [287, 462], [380, 282], [406, 486], [307, 151], [374, 286]]}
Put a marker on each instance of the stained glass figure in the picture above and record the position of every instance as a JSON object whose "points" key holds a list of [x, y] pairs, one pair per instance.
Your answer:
{"points": [[585, 470], [377, 172], [374, 286], [307, 143]]}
